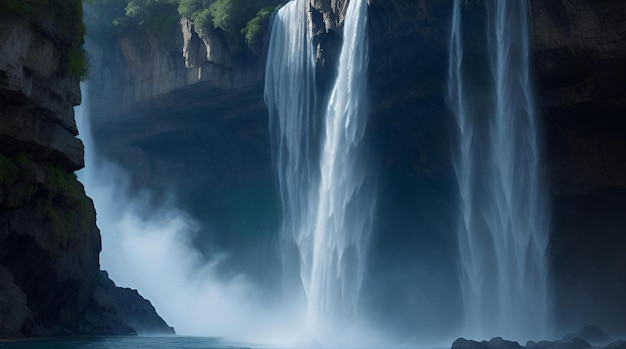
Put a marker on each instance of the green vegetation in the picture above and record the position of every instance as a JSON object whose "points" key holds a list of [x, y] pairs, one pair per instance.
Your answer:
{"points": [[19, 7], [60, 197], [241, 17], [68, 19], [9, 172], [255, 26], [78, 63], [14, 192], [67, 207]]}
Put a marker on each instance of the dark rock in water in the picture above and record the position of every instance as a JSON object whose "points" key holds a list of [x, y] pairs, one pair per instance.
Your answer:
{"points": [[574, 343], [494, 343], [121, 311], [499, 343], [462, 343], [592, 334], [618, 344]]}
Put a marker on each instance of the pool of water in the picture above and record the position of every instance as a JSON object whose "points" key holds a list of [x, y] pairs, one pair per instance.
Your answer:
{"points": [[94, 342]]}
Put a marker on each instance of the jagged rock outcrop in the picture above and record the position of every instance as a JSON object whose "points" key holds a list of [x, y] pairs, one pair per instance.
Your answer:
{"points": [[31, 79], [569, 343], [116, 310], [171, 66], [49, 242], [499, 343]]}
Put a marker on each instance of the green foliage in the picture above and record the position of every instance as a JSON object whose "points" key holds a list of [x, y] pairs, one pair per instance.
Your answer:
{"points": [[202, 19], [103, 18], [8, 171], [60, 197], [245, 17], [78, 63], [18, 7], [14, 190], [69, 15], [68, 19], [228, 14], [67, 208], [187, 8], [146, 11], [256, 24]]}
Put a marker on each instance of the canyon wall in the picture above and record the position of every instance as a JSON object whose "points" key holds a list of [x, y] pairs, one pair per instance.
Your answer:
{"points": [[184, 114], [50, 279]]}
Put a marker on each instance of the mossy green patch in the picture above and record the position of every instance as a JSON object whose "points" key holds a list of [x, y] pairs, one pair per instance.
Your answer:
{"points": [[19, 7], [254, 26], [68, 18], [243, 17], [68, 209], [14, 190], [58, 195], [8, 170]]}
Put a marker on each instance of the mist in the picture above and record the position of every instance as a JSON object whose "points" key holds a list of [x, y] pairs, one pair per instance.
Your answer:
{"points": [[147, 245]]}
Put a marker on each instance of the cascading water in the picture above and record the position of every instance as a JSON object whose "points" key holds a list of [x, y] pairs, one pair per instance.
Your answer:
{"points": [[344, 207], [327, 205], [290, 99], [504, 226]]}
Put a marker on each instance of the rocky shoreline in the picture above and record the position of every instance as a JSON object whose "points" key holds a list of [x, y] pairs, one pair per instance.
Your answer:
{"points": [[587, 337]]}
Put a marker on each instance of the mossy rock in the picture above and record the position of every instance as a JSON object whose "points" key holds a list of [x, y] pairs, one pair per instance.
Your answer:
{"points": [[58, 195], [16, 184]]}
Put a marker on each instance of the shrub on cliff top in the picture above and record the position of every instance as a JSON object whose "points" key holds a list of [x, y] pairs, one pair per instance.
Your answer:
{"points": [[243, 17], [255, 25]]}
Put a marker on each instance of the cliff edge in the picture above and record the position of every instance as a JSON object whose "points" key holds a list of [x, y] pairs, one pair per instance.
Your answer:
{"points": [[50, 279]]}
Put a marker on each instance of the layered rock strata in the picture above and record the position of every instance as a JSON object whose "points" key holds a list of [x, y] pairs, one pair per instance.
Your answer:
{"points": [[49, 242]]}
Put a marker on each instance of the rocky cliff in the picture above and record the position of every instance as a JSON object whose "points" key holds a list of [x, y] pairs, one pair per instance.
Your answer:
{"points": [[579, 51], [49, 242], [160, 99], [183, 111]]}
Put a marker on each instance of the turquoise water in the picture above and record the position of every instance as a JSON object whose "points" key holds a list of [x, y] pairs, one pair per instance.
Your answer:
{"points": [[178, 342]]}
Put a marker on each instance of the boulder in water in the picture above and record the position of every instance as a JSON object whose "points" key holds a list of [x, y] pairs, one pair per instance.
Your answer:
{"points": [[591, 334]]}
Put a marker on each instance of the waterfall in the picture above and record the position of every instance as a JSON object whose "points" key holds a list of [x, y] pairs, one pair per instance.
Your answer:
{"points": [[290, 99], [344, 206], [327, 204], [503, 229]]}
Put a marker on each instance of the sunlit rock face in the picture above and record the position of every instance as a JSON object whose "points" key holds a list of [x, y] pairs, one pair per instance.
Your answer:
{"points": [[185, 117]]}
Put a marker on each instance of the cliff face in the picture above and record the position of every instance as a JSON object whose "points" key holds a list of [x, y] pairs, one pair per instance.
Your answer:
{"points": [[49, 242], [183, 112], [579, 50], [163, 101]]}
